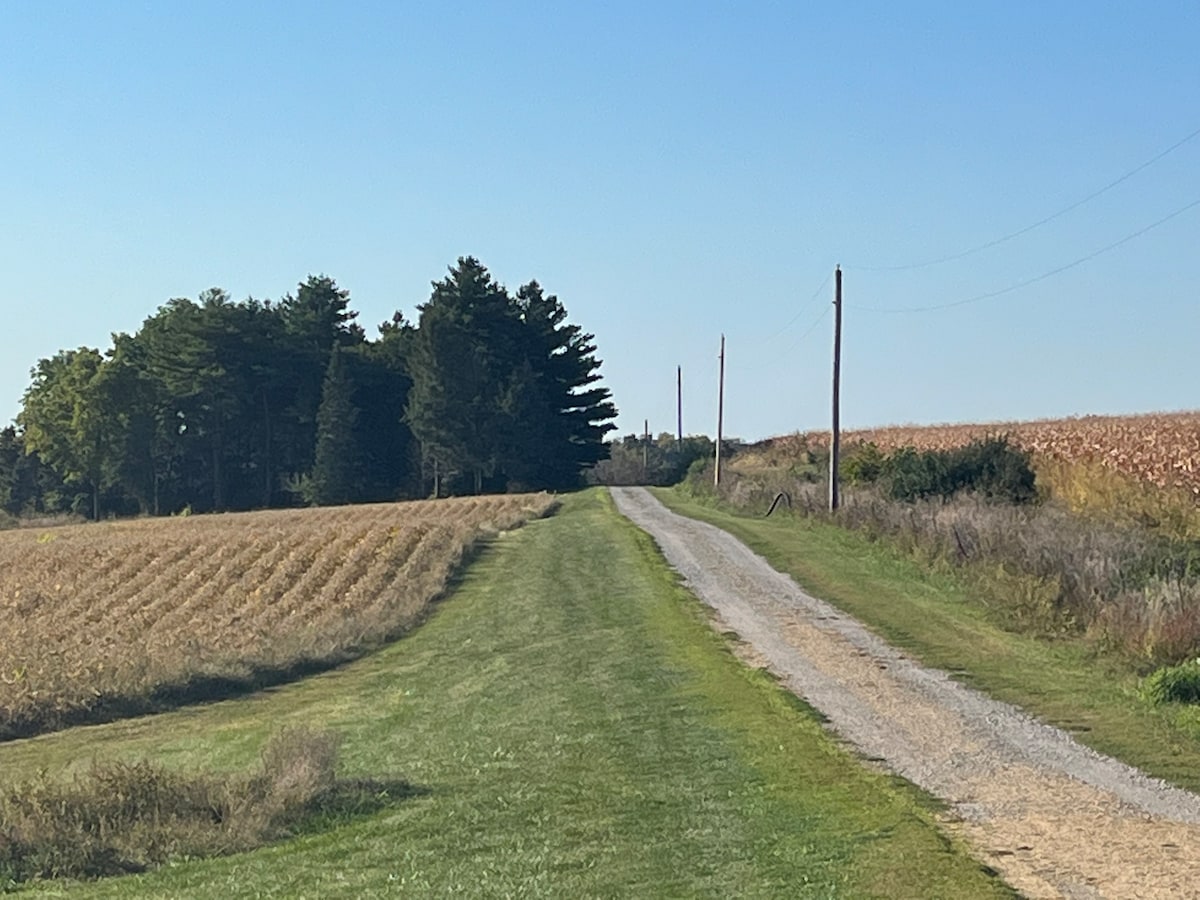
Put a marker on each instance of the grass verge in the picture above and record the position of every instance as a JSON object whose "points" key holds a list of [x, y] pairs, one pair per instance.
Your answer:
{"points": [[575, 728], [934, 617]]}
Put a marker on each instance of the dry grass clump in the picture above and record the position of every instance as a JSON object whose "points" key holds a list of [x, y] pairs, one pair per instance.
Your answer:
{"points": [[122, 817], [117, 618], [1162, 449]]}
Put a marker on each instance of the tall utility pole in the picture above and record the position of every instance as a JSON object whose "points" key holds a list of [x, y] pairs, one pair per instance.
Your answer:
{"points": [[720, 413], [679, 399], [835, 443]]}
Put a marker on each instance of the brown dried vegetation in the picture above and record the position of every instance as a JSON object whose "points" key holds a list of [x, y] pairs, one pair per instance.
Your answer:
{"points": [[123, 617], [1162, 449], [1122, 566]]}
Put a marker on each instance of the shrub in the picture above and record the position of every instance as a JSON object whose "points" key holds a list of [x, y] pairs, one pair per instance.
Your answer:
{"points": [[991, 468], [666, 460], [1175, 684], [863, 464]]}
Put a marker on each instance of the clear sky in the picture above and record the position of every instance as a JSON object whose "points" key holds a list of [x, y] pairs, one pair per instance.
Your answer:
{"points": [[671, 170]]}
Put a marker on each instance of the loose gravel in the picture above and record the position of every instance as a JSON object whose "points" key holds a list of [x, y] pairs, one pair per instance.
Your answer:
{"points": [[1054, 817]]}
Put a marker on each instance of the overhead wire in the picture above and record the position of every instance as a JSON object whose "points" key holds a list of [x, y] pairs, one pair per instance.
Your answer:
{"points": [[1042, 277], [768, 359], [1040, 222], [801, 311]]}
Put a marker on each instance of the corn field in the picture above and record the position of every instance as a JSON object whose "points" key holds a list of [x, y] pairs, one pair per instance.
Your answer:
{"points": [[104, 615], [1162, 449]]}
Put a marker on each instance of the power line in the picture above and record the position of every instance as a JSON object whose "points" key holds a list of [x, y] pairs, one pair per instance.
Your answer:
{"points": [[811, 328], [767, 359], [781, 355], [800, 312], [1021, 284], [1040, 222]]}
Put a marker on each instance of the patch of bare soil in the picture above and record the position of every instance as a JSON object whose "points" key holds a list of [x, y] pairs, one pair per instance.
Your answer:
{"points": [[1055, 818]]}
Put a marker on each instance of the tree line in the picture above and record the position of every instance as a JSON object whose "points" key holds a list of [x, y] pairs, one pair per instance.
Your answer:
{"points": [[221, 405]]}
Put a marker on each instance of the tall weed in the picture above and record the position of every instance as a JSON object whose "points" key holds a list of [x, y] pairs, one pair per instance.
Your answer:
{"points": [[121, 817]]}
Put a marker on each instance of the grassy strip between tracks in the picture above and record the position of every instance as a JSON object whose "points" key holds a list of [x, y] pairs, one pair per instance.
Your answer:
{"points": [[933, 617], [569, 726]]}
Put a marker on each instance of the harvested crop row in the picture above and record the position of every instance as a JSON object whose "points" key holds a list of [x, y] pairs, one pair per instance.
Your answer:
{"points": [[1162, 449], [106, 619]]}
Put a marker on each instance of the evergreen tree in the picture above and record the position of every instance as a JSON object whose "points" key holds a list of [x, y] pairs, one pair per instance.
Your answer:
{"points": [[335, 474], [389, 454], [461, 360], [214, 404], [504, 387], [576, 413], [315, 319]]}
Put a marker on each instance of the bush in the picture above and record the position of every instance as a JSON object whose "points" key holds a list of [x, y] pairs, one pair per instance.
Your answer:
{"points": [[862, 464], [992, 468], [1175, 684], [667, 461]]}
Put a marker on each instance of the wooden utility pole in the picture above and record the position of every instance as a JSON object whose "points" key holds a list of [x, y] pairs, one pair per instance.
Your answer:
{"points": [[835, 443], [645, 450], [720, 413], [679, 401]]}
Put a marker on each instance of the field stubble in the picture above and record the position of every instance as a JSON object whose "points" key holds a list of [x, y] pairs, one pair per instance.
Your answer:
{"points": [[125, 617]]}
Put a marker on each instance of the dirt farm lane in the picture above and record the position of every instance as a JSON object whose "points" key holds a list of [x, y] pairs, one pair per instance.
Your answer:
{"points": [[1055, 818]]}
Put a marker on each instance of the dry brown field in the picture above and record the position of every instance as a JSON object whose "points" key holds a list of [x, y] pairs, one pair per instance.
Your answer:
{"points": [[1162, 449], [109, 618]]}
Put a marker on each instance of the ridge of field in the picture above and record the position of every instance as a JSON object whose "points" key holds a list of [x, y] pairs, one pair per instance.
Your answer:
{"points": [[122, 617], [934, 616], [571, 725], [1162, 449]]}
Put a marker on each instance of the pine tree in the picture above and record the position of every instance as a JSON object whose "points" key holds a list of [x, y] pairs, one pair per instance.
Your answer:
{"points": [[461, 361], [335, 475], [503, 387], [577, 413]]}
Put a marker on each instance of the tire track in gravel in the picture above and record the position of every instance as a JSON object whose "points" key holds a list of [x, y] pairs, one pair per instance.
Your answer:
{"points": [[1055, 818]]}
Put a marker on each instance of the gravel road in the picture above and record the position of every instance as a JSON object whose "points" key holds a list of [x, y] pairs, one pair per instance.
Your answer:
{"points": [[1055, 818]]}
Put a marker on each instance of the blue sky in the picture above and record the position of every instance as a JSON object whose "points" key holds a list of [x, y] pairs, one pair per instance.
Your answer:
{"points": [[671, 170]]}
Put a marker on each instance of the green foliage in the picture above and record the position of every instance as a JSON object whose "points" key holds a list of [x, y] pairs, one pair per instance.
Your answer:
{"points": [[335, 475], [27, 485], [862, 464], [1175, 684], [664, 460], [68, 419], [503, 388], [217, 405], [992, 468]]}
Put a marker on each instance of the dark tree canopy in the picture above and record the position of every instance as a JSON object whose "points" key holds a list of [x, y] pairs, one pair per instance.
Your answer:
{"points": [[503, 386], [335, 474], [217, 404]]}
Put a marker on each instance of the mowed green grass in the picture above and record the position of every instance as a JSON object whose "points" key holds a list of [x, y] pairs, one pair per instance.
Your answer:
{"points": [[932, 615], [572, 727]]}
